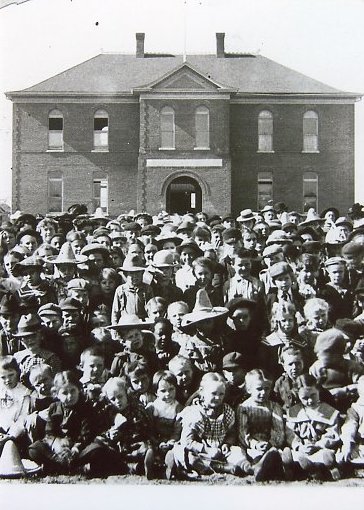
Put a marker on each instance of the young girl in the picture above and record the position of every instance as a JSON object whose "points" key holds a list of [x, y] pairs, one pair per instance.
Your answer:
{"points": [[187, 378], [156, 307], [312, 431], [261, 428], [109, 280], [68, 429], [208, 437], [188, 252], [163, 412], [175, 313], [316, 312], [41, 380], [203, 270], [284, 334], [138, 379]]}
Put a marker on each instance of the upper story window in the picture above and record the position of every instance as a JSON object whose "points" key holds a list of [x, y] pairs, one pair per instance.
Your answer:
{"points": [[310, 191], [265, 131], [202, 128], [167, 127], [55, 130], [101, 130], [310, 132]]}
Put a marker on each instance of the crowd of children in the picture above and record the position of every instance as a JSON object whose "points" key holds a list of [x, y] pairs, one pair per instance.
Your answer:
{"points": [[176, 347]]}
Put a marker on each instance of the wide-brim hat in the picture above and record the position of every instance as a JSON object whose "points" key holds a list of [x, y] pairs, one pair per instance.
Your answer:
{"points": [[28, 232], [186, 225], [240, 302], [94, 248], [333, 209], [66, 255], [278, 237], [203, 310], [312, 217], [132, 265], [163, 258], [33, 262], [131, 321], [344, 221], [268, 208], [192, 245], [168, 237], [12, 466], [245, 215], [28, 325], [99, 215]]}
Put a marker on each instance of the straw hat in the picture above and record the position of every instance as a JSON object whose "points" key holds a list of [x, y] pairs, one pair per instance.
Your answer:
{"points": [[12, 466], [245, 215], [163, 258], [66, 255], [94, 248], [131, 321], [166, 237], [312, 217], [203, 310], [99, 215], [32, 262]]}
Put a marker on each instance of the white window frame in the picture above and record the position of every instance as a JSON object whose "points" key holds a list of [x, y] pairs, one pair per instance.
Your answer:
{"points": [[101, 136], [202, 117], [103, 199], [55, 177], [167, 115], [265, 131], [55, 136], [310, 132]]}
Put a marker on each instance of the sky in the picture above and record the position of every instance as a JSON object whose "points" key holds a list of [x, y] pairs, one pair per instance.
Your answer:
{"points": [[323, 39]]}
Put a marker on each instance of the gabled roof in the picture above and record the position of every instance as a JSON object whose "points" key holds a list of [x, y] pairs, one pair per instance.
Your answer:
{"points": [[121, 74]]}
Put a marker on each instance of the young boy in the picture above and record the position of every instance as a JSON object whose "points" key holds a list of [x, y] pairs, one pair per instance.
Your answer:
{"points": [[94, 374], [163, 284], [187, 377], [352, 432], [243, 284], [234, 371], [188, 252], [282, 278], [203, 270], [261, 428]]}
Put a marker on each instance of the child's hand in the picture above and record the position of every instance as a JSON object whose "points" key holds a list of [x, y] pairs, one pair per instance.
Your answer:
{"points": [[60, 444], [213, 452], [225, 448], [346, 452]]}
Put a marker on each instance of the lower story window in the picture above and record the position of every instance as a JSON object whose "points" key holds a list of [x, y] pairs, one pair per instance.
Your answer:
{"points": [[265, 188], [310, 191], [55, 192], [100, 194]]}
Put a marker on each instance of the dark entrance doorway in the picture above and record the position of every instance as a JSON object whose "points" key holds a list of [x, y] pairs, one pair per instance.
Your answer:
{"points": [[184, 195]]}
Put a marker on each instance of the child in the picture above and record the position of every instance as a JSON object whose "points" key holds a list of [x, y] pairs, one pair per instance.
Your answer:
{"points": [[156, 307], [68, 429], [188, 252], [94, 374], [41, 380], [352, 432], [109, 280], [163, 284], [284, 334], [261, 428], [234, 371], [163, 412], [312, 431], [9, 316], [203, 270], [282, 279], [339, 298], [132, 296], [138, 378], [316, 313], [101, 336], [208, 437], [187, 377], [242, 284], [165, 349], [175, 313]]}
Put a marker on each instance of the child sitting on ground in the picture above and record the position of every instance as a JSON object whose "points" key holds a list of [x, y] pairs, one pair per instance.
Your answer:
{"points": [[208, 438], [94, 374], [312, 432], [138, 380], [187, 376], [41, 379], [163, 412], [261, 428]]}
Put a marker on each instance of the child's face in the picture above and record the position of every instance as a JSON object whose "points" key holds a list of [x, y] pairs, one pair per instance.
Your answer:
{"points": [[52, 322], [242, 267], [166, 392], [187, 256], [139, 382], [134, 278], [66, 271], [309, 396], [175, 314], [68, 395], [56, 242], [118, 397], [42, 383], [183, 374], [307, 276], [9, 378], [116, 259], [170, 246], [241, 318], [292, 365], [149, 252], [336, 274], [47, 231], [70, 345], [213, 394], [234, 375], [99, 320], [105, 241], [156, 310], [283, 282], [108, 285], [286, 323], [133, 340], [29, 242], [259, 391], [70, 317], [249, 241], [203, 276], [318, 318], [31, 276], [164, 275], [161, 335], [93, 367], [9, 263], [32, 342], [200, 241]]}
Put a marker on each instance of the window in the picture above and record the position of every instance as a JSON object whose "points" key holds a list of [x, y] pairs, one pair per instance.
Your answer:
{"points": [[55, 192], [310, 191], [100, 193], [265, 131], [310, 132], [202, 127], [55, 130], [265, 188], [101, 130], [167, 128]]}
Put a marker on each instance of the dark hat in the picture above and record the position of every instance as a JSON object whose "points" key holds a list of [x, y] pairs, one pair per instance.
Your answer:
{"points": [[185, 225], [28, 232], [33, 262], [164, 238], [352, 248], [279, 269], [133, 226], [8, 304], [331, 340], [144, 215], [70, 304], [100, 231], [333, 209], [228, 217], [94, 248], [49, 309], [218, 228], [351, 328], [289, 226], [28, 325], [213, 219], [231, 234], [190, 243], [240, 302], [150, 230], [311, 247], [359, 231], [280, 207], [232, 360]]}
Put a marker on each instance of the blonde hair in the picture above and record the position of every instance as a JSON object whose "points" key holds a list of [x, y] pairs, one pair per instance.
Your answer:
{"points": [[256, 375], [279, 310], [114, 382], [315, 305], [212, 377]]}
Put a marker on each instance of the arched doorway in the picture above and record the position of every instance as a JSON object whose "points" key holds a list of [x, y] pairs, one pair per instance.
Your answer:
{"points": [[184, 195]]}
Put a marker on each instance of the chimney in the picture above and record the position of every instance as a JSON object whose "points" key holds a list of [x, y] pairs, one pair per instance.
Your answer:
{"points": [[140, 36], [220, 47]]}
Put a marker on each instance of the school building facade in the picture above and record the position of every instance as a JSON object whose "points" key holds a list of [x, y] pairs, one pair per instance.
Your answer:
{"points": [[216, 133]]}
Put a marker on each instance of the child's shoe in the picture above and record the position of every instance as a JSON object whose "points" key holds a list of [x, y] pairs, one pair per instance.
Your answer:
{"points": [[149, 464], [170, 465], [269, 467]]}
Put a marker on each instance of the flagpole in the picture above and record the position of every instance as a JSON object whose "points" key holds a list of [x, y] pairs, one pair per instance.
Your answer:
{"points": [[184, 30]]}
